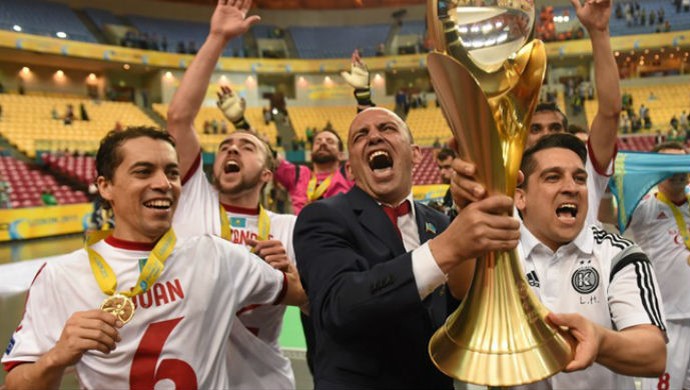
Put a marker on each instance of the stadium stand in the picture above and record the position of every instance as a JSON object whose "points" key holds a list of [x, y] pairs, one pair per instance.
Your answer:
{"points": [[177, 31], [80, 168], [27, 122], [310, 42], [669, 100], [209, 142], [27, 183], [43, 18], [426, 172]]}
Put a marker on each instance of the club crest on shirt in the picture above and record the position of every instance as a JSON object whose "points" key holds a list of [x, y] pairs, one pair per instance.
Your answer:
{"points": [[586, 279]]}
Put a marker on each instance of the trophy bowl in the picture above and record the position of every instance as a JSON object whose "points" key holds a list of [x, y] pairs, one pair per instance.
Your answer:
{"points": [[487, 31], [487, 78]]}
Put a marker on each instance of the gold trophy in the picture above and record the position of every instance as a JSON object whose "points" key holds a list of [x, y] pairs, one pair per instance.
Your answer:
{"points": [[487, 81]]}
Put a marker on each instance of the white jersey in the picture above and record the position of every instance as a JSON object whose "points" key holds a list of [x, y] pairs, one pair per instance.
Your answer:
{"points": [[655, 230], [596, 187], [198, 213], [601, 276], [179, 332]]}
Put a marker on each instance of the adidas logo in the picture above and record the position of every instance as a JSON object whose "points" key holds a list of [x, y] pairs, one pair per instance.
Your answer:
{"points": [[662, 215], [532, 279]]}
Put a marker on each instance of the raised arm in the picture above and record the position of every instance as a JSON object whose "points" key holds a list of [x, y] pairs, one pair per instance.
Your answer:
{"points": [[594, 16], [358, 78], [229, 20]]}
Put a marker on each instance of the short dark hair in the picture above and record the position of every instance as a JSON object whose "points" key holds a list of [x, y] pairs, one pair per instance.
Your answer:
{"points": [[108, 157], [341, 147], [444, 153], [668, 145], [549, 141], [552, 107]]}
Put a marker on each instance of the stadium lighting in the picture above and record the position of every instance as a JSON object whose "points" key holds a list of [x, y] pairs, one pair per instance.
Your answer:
{"points": [[91, 78], [126, 66], [17, 28], [61, 34], [26, 70], [168, 75]]}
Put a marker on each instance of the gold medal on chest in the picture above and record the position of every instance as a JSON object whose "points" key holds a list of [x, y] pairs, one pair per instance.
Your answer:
{"points": [[120, 306]]}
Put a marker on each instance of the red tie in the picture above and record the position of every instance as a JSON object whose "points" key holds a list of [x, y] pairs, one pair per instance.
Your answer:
{"points": [[394, 212]]}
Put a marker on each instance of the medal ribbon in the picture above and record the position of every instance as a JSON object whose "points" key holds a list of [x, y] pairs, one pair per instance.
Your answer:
{"points": [[264, 225], [314, 192], [152, 269], [680, 221]]}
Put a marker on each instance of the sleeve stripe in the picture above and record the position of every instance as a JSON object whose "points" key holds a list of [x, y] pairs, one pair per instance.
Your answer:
{"points": [[192, 169], [8, 366], [648, 293]]}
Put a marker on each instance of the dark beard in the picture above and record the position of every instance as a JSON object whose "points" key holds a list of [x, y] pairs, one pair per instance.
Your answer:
{"points": [[322, 158]]}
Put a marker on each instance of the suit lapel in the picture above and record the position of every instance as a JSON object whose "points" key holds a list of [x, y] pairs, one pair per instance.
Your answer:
{"points": [[374, 220]]}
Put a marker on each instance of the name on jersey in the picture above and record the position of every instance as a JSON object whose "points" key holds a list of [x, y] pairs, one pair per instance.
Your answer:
{"points": [[161, 293], [241, 236]]}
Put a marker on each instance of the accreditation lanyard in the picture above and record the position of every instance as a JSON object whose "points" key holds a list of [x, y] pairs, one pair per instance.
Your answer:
{"points": [[264, 225], [678, 215], [315, 192], [152, 269]]}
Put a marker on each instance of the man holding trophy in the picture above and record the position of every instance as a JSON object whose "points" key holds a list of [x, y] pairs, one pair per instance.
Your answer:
{"points": [[483, 66]]}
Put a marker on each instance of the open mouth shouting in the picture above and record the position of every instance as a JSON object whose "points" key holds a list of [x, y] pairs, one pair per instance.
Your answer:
{"points": [[567, 212], [380, 161], [231, 167]]}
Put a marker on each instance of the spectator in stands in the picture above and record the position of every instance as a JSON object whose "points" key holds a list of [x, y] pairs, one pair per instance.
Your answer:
{"points": [[164, 43], [20, 87], [267, 115], [191, 47], [48, 198], [180, 48], [674, 123], [5, 190], [625, 124], [444, 159], [224, 128], [0, 111], [69, 115], [683, 121], [207, 127], [381, 50], [82, 111], [54, 113], [2, 88], [661, 14], [437, 143]]}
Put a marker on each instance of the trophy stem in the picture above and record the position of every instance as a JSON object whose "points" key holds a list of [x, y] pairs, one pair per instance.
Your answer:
{"points": [[499, 336]]}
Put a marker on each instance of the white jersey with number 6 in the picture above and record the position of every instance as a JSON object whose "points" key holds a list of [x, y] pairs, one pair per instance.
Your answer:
{"points": [[179, 333]]}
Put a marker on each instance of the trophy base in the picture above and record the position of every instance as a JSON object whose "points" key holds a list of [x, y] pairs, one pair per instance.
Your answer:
{"points": [[489, 368]]}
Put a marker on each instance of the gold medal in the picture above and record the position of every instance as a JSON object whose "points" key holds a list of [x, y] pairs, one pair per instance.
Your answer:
{"points": [[120, 306]]}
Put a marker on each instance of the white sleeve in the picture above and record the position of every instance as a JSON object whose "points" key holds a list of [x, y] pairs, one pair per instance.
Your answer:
{"points": [[198, 210], [41, 325], [255, 282], [596, 187], [633, 293]]}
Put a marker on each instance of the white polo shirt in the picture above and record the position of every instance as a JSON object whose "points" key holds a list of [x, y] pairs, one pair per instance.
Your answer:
{"points": [[602, 276]]}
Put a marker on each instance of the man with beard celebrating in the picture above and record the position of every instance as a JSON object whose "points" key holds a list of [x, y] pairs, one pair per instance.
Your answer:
{"points": [[230, 207]]}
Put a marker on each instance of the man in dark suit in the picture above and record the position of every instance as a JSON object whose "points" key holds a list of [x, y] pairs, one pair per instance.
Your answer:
{"points": [[378, 280]]}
